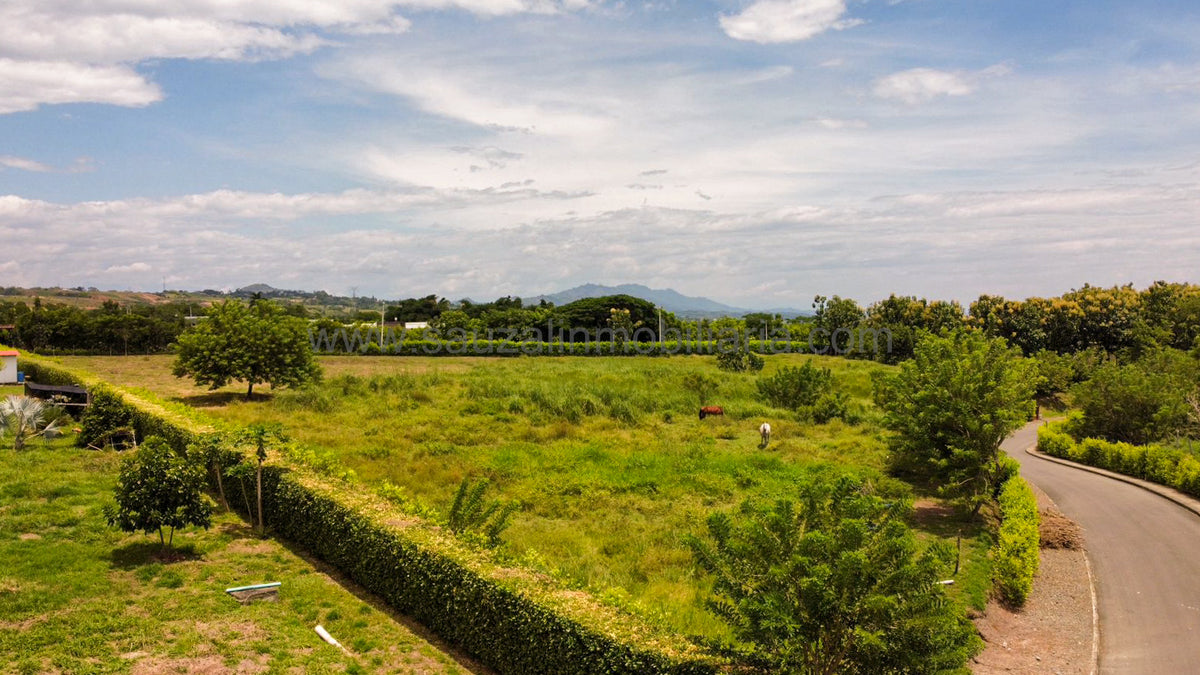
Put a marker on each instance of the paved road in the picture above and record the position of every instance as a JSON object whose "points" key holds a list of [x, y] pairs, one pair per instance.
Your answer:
{"points": [[1145, 553]]}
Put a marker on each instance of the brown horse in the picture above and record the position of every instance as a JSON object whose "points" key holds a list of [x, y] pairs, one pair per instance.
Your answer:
{"points": [[711, 410]]}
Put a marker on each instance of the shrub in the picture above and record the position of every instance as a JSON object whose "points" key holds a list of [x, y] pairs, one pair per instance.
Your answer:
{"points": [[793, 388], [159, 488], [740, 360], [834, 583], [106, 421], [1016, 552], [1054, 442], [477, 521]]}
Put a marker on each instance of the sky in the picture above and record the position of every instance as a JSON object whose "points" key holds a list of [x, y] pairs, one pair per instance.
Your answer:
{"points": [[757, 152]]}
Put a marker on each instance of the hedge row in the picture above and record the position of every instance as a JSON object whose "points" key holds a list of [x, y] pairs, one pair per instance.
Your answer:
{"points": [[1015, 556], [512, 348], [512, 620], [1156, 463]]}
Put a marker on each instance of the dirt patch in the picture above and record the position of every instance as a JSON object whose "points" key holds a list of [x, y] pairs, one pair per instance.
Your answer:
{"points": [[240, 547], [205, 665], [28, 536], [928, 513], [1059, 532], [233, 632]]}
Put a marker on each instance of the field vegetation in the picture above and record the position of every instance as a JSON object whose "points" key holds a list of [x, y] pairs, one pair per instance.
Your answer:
{"points": [[606, 458], [77, 595]]}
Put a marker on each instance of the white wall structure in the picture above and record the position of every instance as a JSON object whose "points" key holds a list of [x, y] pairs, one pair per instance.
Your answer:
{"points": [[8, 367]]}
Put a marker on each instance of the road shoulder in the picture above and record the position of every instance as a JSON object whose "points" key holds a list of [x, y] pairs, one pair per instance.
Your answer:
{"points": [[1055, 631]]}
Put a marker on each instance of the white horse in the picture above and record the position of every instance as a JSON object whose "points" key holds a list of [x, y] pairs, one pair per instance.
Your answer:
{"points": [[765, 431]]}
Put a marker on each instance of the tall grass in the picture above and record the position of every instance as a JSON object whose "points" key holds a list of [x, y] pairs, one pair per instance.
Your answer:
{"points": [[607, 457]]}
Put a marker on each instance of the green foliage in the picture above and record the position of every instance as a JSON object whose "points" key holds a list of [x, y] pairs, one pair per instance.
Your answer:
{"points": [[793, 387], [107, 421], [473, 518], [740, 360], [1016, 552], [702, 386], [24, 418], [256, 344], [1170, 466], [159, 488], [834, 583], [952, 405], [1136, 403]]}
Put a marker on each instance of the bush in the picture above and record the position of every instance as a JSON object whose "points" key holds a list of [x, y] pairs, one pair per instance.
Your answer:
{"points": [[1016, 552], [740, 360], [159, 488], [834, 583], [793, 388]]}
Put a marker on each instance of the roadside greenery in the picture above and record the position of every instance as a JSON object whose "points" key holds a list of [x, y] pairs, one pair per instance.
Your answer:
{"points": [[1017, 547], [951, 406]]}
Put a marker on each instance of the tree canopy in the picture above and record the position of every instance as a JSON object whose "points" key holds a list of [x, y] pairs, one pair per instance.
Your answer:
{"points": [[834, 582], [953, 404], [159, 489], [255, 344]]}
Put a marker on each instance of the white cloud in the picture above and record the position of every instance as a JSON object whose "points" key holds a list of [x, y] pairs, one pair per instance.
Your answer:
{"points": [[771, 21], [922, 84], [132, 267], [24, 164], [918, 85], [24, 85], [61, 51]]}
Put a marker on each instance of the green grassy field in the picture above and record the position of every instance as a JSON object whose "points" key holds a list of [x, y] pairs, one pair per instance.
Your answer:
{"points": [[606, 456], [77, 596]]}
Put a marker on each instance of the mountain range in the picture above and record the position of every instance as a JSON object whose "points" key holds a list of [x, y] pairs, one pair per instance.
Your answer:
{"points": [[669, 299]]}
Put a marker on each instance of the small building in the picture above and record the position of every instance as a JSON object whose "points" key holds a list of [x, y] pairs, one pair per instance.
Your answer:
{"points": [[415, 325], [8, 366]]}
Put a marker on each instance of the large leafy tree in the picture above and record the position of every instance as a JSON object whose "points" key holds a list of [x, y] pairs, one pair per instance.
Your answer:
{"points": [[953, 404], [254, 344], [159, 489], [834, 582]]}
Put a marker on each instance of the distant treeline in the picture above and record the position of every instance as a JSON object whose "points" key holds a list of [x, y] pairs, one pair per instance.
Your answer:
{"points": [[1118, 320]]}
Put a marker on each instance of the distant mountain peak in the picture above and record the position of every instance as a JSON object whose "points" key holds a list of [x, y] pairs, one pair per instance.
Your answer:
{"points": [[667, 298]]}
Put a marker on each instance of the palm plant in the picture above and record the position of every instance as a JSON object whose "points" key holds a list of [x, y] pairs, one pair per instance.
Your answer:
{"points": [[24, 418]]}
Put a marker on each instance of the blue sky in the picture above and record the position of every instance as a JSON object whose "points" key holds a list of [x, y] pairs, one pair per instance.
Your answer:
{"points": [[757, 152]]}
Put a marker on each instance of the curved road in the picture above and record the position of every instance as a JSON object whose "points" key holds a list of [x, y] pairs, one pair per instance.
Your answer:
{"points": [[1145, 553]]}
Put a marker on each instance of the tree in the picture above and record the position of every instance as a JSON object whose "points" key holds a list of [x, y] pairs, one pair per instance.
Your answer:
{"points": [[834, 582], [952, 405], [25, 418], [1136, 403], [834, 322], [261, 436], [159, 488], [253, 344]]}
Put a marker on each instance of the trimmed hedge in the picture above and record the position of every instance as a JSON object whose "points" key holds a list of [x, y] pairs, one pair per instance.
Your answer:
{"points": [[1015, 558], [512, 620], [512, 348], [1156, 463]]}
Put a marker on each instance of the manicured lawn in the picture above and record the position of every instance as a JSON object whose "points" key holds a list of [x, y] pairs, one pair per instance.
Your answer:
{"points": [[606, 456], [77, 596]]}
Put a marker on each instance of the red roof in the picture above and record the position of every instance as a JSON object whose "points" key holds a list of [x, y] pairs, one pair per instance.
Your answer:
{"points": [[10, 352]]}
